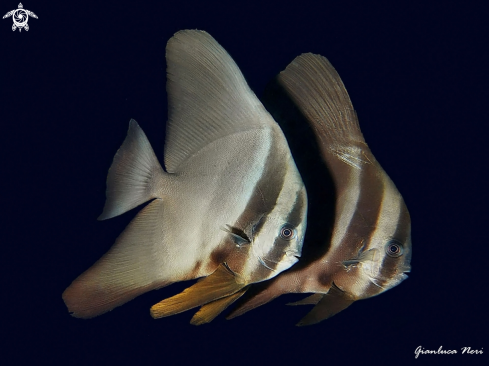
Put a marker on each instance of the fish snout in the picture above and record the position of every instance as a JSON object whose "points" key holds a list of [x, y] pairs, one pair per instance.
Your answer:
{"points": [[406, 269]]}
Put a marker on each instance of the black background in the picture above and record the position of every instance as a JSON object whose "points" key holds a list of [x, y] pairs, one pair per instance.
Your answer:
{"points": [[417, 75]]}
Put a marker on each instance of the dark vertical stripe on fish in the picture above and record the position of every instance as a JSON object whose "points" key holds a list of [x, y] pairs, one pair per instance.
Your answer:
{"points": [[262, 200], [367, 210]]}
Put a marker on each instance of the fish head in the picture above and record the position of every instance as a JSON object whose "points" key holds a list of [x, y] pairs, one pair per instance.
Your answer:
{"points": [[276, 238], [385, 251]]}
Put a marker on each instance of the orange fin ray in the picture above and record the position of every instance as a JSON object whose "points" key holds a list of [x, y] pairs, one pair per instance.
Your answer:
{"points": [[221, 283], [209, 311]]}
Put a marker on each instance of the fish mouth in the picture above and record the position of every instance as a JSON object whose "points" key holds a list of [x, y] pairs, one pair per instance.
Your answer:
{"points": [[293, 253], [401, 277]]}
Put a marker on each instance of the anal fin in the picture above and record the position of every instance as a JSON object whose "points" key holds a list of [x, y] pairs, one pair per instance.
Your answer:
{"points": [[127, 270], [209, 311], [221, 283]]}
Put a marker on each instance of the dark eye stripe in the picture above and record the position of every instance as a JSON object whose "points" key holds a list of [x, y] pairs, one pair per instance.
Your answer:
{"points": [[371, 190], [267, 191], [403, 224], [294, 218]]}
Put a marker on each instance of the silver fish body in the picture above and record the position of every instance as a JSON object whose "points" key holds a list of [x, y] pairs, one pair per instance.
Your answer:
{"points": [[369, 249], [231, 194]]}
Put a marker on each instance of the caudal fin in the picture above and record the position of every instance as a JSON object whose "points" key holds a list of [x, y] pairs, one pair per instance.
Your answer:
{"points": [[134, 175]]}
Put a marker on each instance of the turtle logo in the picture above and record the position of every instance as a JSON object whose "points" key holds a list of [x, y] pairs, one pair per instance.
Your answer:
{"points": [[20, 17]]}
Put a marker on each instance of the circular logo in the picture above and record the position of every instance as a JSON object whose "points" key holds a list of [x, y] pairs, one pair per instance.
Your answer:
{"points": [[20, 18]]}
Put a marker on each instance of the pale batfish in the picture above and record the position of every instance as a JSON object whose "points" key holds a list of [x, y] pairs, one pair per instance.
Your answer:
{"points": [[231, 204], [369, 248]]}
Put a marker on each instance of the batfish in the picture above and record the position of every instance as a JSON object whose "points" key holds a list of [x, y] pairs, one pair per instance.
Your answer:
{"points": [[369, 248], [230, 204]]}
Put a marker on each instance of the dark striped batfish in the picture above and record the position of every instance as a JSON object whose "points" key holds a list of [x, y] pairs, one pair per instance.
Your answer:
{"points": [[231, 204], [369, 250]]}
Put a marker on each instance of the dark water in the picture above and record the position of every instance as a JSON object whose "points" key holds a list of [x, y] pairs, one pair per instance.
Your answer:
{"points": [[417, 76]]}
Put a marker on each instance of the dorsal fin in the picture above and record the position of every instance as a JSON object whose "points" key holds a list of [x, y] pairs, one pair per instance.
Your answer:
{"points": [[317, 89], [208, 97]]}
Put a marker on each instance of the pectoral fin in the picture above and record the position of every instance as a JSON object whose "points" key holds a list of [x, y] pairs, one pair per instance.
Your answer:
{"points": [[209, 311], [219, 284], [331, 303]]}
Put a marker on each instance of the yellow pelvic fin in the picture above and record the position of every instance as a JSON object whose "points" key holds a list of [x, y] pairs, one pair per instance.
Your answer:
{"points": [[221, 283], [209, 311]]}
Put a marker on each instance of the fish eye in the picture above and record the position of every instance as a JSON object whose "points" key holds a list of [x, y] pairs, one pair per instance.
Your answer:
{"points": [[394, 249], [287, 232]]}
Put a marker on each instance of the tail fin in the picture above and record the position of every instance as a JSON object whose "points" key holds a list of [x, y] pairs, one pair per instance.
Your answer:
{"points": [[133, 176], [127, 270]]}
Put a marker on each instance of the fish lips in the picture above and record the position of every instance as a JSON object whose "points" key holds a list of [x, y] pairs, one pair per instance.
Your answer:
{"points": [[405, 269], [293, 253], [401, 276], [292, 257]]}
